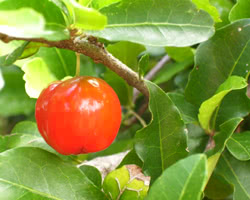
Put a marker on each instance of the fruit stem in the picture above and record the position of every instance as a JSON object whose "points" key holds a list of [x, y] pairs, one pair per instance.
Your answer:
{"points": [[78, 62]]}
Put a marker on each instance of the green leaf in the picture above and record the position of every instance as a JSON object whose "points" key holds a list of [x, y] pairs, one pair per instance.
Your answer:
{"points": [[127, 53], [50, 64], [240, 10], [123, 184], [163, 141], [188, 111], [197, 139], [32, 173], [180, 54], [224, 7], [218, 187], [239, 146], [237, 173], [93, 174], [31, 19], [229, 109], [33, 69], [26, 127], [209, 106], [205, 5], [87, 18], [98, 4], [156, 23], [9, 59], [170, 70], [226, 131], [13, 98], [143, 64], [225, 54], [221, 138], [131, 158], [184, 180]]}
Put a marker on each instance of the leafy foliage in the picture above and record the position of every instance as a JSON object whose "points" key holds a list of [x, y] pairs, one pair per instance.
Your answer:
{"points": [[190, 138]]}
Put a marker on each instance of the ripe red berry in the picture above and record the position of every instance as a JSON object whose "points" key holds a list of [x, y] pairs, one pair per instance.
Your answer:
{"points": [[79, 115]]}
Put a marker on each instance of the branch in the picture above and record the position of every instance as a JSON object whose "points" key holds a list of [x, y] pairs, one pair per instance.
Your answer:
{"points": [[89, 46]]}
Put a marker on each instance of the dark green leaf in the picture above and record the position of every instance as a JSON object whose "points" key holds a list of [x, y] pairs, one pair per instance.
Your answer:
{"points": [[13, 99], [197, 139], [229, 109], [93, 174], [184, 180], [170, 70], [237, 173], [240, 10], [131, 158], [188, 111], [239, 145], [156, 23], [218, 187], [12, 57], [32, 173], [163, 141], [225, 54]]}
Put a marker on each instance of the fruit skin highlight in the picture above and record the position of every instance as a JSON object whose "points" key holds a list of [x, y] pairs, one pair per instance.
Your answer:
{"points": [[79, 115]]}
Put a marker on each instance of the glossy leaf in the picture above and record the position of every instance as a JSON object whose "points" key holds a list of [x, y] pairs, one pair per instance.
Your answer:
{"points": [[12, 57], [1, 81], [239, 146], [237, 173], [34, 20], [163, 141], [13, 98], [188, 111], [87, 18], [186, 179], [240, 10], [225, 54], [205, 5], [156, 23], [32, 173], [209, 106], [124, 184], [93, 174]]}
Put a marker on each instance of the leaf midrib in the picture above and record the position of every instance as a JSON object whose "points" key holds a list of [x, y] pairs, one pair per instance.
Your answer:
{"points": [[29, 189]]}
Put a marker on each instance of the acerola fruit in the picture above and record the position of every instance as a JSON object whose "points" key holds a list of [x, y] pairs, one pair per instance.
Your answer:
{"points": [[79, 115]]}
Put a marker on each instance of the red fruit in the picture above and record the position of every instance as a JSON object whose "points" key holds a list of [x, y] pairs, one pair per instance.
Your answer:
{"points": [[79, 115]]}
